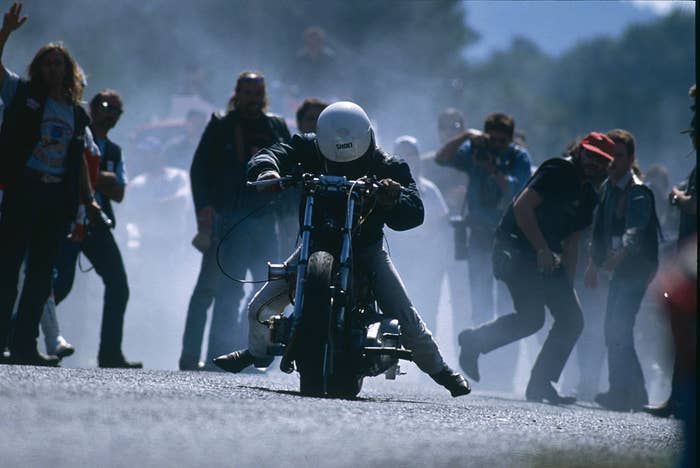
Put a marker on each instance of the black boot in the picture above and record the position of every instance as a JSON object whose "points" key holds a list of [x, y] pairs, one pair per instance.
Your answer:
{"points": [[451, 380], [469, 354], [235, 362], [545, 392], [117, 361], [32, 357], [185, 365]]}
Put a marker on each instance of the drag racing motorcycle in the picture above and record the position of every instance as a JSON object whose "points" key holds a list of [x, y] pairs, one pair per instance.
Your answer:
{"points": [[336, 335]]}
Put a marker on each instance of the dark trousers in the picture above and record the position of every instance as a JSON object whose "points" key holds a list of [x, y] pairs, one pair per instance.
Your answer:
{"points": [[481, 280], [31, 224], [249, 246], [531, 293], [103, 253], [498, 368], [627, 288]]}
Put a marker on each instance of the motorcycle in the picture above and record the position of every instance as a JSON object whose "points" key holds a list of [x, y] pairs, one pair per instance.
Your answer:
{"points": [[336, 335]]}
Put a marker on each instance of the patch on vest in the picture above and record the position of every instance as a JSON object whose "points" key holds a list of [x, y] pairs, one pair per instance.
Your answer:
{"points": [[33, 104]]}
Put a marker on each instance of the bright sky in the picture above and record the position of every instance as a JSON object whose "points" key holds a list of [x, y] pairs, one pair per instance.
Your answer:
{"points": [[555, 26]]}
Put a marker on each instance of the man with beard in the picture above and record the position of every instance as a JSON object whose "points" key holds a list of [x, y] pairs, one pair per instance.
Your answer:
{"points": [[535, 254], [218, 188]]}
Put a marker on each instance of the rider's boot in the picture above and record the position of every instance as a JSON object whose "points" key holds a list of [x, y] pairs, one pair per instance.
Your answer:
{"points": [[452, 381], [235, 362]]}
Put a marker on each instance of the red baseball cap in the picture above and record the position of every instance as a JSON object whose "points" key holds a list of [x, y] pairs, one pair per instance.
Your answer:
{"points": [[600, 144]]}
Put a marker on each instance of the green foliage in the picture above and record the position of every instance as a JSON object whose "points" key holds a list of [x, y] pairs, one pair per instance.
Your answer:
{"points": [[638, 82]]}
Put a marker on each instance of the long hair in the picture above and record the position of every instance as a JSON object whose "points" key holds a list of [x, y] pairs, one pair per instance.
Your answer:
{"points": [[73, 79], [246, 76]]}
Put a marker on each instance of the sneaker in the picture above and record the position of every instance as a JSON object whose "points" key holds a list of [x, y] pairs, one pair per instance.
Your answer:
{"points": [[546, 393], [452, 381], [236, 361], [469, 354], [32, 357], [63, 348]]}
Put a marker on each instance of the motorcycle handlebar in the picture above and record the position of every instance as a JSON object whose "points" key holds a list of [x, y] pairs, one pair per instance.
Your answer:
{"points": [[314, 179]]}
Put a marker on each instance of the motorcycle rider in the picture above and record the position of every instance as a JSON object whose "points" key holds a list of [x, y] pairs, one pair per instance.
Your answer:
{"points": [[345, 145]]}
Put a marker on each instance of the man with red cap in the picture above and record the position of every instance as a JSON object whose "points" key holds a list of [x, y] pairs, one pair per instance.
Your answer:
{"points": [[535, 254]]}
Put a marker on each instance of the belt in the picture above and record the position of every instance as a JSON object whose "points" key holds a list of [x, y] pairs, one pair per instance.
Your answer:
{"points": [[43, 177]]}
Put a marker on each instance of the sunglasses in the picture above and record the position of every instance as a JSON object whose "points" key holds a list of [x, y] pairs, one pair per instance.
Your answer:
{"points": [[112, 109]]}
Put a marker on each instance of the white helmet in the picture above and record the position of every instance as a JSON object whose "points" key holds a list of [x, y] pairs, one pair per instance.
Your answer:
{"points": [[344, 132]]}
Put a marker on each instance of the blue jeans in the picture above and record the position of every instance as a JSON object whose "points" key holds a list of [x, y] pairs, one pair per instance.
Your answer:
{"points": [[627, 288], [391, 296], [248, 247]]}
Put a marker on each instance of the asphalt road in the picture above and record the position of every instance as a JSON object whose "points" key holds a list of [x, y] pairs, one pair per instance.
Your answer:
{"points": [[111, 418]]}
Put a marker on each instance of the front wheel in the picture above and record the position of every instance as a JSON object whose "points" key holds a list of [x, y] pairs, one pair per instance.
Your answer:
{"points": [[313, 327]]}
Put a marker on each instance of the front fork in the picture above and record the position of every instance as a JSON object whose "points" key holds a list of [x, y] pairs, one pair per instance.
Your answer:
{"points": [[334, 323], [287, 363]]}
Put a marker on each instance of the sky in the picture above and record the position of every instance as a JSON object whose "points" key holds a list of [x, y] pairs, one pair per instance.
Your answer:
{"points": [[555, 26]]}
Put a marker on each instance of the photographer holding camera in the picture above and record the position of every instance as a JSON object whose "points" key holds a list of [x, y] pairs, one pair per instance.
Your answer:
{"points": [[497, 168]]}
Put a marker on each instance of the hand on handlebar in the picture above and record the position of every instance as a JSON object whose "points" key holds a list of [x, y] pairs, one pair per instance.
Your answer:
{"points": [[267, 175], [389, 192]]}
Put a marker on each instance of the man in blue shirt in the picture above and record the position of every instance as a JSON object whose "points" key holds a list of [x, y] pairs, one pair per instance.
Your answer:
{"points": [[497, 169]]}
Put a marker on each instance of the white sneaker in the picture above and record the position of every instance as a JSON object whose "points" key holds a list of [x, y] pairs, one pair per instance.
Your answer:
{"points": [[63, 348]]}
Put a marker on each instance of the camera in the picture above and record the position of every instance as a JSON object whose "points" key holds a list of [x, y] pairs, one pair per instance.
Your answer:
{"points": [[459, 224], [484, 154]]}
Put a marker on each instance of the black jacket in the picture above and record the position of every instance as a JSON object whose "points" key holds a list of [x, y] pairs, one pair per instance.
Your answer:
{"points": [[20, 133], [217, 173], [303, 150], [567, 207]]}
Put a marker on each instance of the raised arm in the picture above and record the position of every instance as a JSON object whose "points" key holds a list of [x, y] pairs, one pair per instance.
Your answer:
{"points": [[11, 22], [445, 154]]}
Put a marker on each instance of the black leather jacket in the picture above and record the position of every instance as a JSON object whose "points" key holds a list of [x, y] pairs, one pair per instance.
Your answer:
{"points": [[303, 150], [217, 173]]}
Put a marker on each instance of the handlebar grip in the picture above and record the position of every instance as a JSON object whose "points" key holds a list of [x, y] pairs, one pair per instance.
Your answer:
{"points": [[262, 183]]}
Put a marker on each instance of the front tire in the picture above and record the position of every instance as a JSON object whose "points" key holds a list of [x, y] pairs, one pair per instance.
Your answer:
{"points": [[313, 326]]}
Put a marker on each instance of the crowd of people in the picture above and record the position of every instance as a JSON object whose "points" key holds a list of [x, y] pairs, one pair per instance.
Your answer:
{"points": [[581, 235]]}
